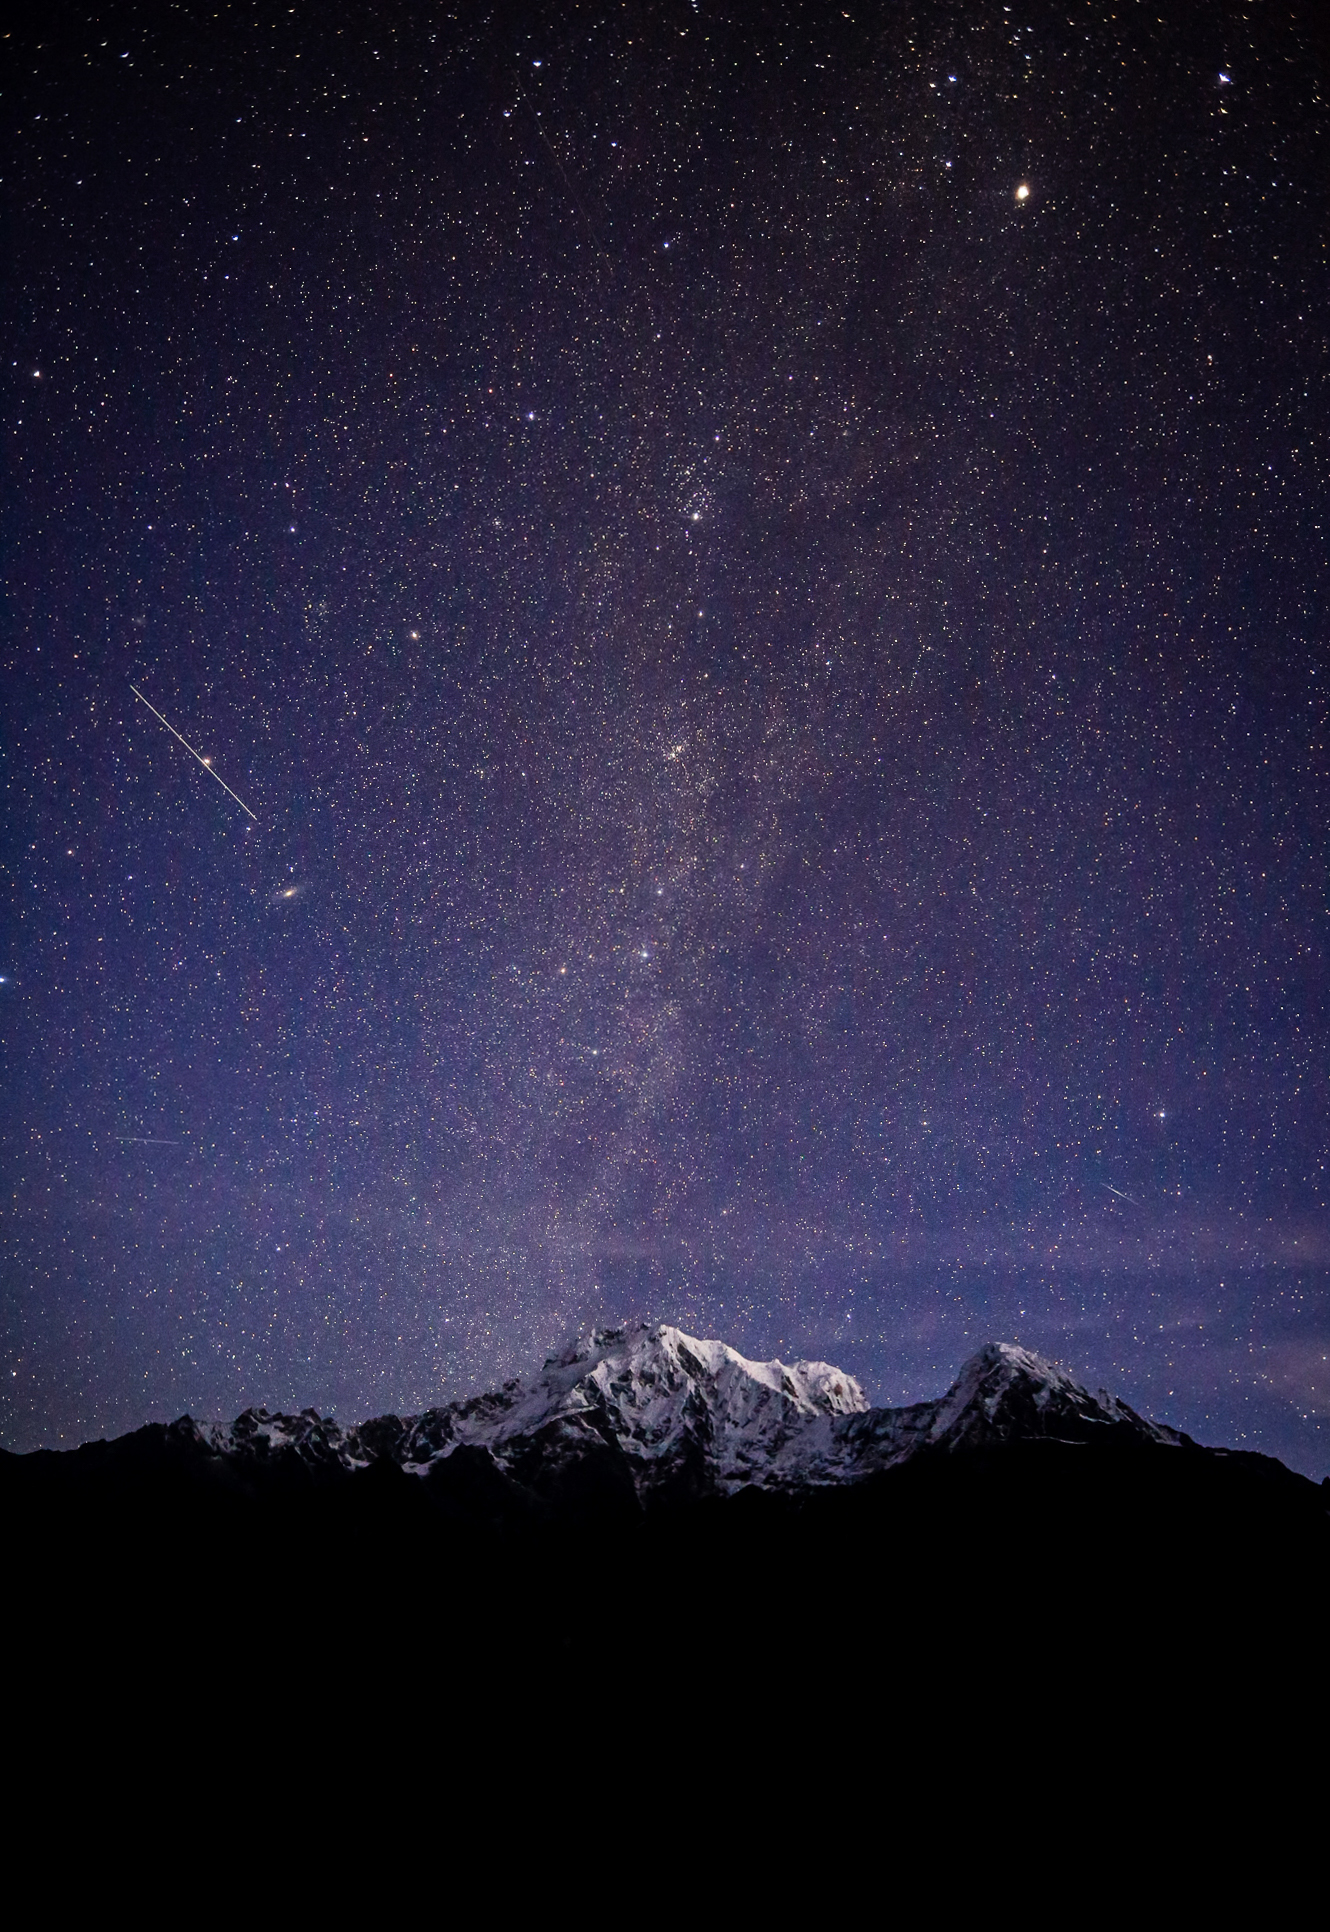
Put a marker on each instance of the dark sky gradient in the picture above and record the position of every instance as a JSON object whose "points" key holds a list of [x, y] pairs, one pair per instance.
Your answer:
{"points": [[783, 688]]}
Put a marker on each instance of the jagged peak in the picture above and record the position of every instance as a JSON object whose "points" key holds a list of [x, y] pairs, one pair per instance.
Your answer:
{"points": [[642, 1350], [996, 1367], [1005, 1389], [1014, 1356], [263, 1431]]}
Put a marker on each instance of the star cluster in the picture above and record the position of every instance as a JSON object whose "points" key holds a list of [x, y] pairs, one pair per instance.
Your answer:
{"points": [[762, 574]]}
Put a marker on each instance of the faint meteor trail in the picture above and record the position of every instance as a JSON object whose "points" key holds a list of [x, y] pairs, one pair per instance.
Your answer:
{"points": [[193, 754], [1118, 1191]]}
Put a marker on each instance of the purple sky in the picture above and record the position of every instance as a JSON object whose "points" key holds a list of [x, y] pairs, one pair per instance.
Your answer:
{"points": [[782, 685]]}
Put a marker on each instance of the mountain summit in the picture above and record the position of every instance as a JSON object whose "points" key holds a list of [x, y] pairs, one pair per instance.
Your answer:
{"points": [[668, 1413]]}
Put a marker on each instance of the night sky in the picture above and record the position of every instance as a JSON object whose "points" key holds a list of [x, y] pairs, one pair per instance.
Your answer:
{"points": [[761, 572]]}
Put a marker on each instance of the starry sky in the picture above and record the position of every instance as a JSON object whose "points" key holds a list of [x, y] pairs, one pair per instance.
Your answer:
{"points": [[755, 582]]}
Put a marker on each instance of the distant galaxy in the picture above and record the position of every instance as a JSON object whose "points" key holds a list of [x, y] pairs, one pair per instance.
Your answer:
{"points": [[759, 577]]}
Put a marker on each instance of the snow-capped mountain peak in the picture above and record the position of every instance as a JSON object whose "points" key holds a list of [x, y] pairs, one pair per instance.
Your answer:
{"points": [[663, 1398], [1004, 1391]]}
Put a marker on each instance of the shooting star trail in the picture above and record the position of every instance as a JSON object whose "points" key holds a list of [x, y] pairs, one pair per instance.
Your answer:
{"points": [[145, 1140], [1118, 1191], [193, 754]]}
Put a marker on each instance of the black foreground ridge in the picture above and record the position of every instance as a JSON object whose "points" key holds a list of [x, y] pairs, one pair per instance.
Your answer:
{"points": [[648, 1493]]}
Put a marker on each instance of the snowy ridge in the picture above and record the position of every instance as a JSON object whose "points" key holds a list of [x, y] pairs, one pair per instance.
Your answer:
{"points": [[1003, 1394], [1005, 1390], [660, 1413]]}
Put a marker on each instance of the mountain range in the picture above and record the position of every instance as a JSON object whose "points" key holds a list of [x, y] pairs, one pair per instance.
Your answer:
{"points": [[633, 1418], [636, 1417], [649, 1502]]}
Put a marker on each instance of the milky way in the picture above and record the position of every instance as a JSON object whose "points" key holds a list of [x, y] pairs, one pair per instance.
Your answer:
{"points": [[764, 580]]}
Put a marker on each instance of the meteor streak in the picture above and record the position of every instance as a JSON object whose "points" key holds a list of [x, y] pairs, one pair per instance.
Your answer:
{"points": [[193, 754]]}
